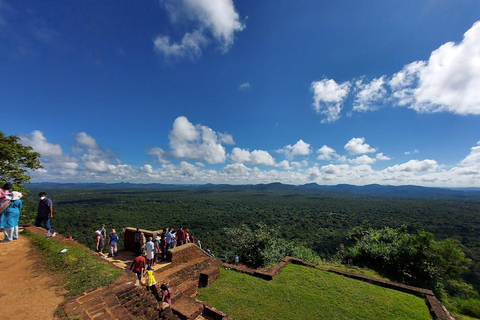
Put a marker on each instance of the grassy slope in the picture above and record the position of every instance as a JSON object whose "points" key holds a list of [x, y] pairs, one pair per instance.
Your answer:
{"points": [[305, 293], [78, 269]]}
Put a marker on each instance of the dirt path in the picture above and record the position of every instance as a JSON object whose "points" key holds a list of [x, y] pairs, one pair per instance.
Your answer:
{"points": [[26, 291]]}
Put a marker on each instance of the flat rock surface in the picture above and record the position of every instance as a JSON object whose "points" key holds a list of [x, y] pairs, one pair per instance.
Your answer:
{"points": [[26, 291]]}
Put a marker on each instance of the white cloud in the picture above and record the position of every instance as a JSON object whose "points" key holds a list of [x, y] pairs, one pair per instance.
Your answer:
{"points": [[447, 82], [158, 153], [240, 155], [190, 46], [474, 157], [414, 166], [362, 160], [328, 97], [187, 168], [369, 95], [284, 165], [39, 143], [212, 19], [196, 142], [381, 156], [256, 157], [300, 148], [410, 152], [244, 85], [236, 169], [326, 153], [261, 157], [358, 146], [225, 138]]}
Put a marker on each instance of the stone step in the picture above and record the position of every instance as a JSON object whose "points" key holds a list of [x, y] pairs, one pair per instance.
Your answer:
{"points": [[183, 272], [208, 275], [187, 288], [188, 308]]}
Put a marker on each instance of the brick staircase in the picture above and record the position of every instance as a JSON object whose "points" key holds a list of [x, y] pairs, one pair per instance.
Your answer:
{"points": [[189, 268]]}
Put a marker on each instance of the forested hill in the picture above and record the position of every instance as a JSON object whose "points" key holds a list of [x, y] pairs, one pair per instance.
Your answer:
{"points": [[372, 189]]}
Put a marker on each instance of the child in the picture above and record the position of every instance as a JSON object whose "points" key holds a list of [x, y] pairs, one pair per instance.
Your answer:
{"points": [[151, 283], [166, 294]]}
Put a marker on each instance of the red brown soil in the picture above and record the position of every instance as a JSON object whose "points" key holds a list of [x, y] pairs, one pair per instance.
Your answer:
{"points": [[26, 291]]}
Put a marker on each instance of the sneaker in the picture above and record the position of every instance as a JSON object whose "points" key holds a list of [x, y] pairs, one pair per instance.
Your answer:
{"points": [[5, 241], [15, 238]]}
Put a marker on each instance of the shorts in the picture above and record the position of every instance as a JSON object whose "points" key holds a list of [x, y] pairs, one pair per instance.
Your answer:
{"points": [[99, 250]]}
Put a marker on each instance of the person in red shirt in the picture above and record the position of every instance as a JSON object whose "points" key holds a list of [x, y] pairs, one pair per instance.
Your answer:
{"points": [[138, 265], [180, 237]]}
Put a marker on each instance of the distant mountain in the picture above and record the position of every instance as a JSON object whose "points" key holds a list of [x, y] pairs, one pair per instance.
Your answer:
{"points": [[367, 190]]}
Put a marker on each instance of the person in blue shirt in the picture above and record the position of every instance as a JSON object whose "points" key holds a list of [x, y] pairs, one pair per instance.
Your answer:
{"points": [[10, 220], [113, 239], [45, 211]]}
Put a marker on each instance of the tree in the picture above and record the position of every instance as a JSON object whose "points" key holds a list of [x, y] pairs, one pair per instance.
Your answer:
{"points": [[15, 160], [414, 259]]}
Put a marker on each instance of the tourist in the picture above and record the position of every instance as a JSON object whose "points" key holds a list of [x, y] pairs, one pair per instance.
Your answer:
{"points": [[113, 243], [4, 200], [158, 251], [99, 244], [45, 211], [142, 242], [138, 266], [199, 244], [174, 237], [138, 235], [166, 294], [186, 236], [191, 239], [150, 282], [10, 217], [168, 239], [180, 236], [163, 248], [150, 246], [103, 231], [5, 190]]}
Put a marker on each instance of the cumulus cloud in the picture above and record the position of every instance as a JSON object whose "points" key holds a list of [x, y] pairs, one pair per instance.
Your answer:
{"points": [[284, 165], [256, 157], [328, 97], [474, 157], [196, 142], [369, 95], [414, 166], [158, 153], [236, 169], [326, 153], [448, 81], [300, 148], [358, 146], [39, 143], [381, 156], [213, 21], [362, 160]]}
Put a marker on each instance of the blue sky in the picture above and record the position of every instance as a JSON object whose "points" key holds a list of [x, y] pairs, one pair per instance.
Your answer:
{"points": [[217, 91]]}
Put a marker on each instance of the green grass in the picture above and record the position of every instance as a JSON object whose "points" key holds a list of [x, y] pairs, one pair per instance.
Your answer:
{"points": [[299, 292], [78, 270]]}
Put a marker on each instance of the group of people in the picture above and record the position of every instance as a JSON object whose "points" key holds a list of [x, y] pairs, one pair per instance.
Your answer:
{"points": [[138, 267], [10, 206], [100, 238], [156, 248]]}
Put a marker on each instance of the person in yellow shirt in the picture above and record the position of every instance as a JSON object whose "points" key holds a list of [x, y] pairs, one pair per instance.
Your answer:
{"points": [[150, 282]]}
